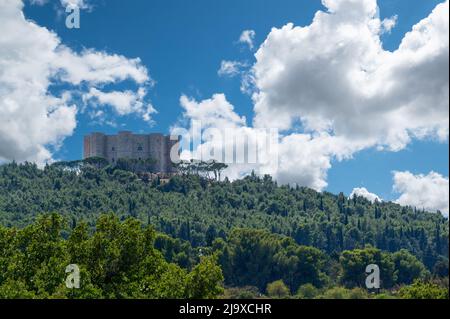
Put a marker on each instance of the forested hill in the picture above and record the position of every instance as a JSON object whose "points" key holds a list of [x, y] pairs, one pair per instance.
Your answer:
{"points": [[198, 210]]}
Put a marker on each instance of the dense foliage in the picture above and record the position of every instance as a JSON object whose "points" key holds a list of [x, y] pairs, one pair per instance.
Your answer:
{"points": [[117, 261], [257, 258], [424, 290], [290, 239]]}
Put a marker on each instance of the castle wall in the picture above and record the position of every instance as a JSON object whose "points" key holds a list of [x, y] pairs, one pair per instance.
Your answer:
{"points": [[170, 145], [132, 146], [157, 144], [95, 145], [86, 147]]}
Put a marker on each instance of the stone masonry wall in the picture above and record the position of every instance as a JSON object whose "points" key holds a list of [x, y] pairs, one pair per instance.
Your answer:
{"points": [[132, 146]]}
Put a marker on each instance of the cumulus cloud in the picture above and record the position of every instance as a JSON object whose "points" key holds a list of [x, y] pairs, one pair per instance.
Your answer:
{"points": [[388, 24], [35, 118], [334, 76], [363, 192], [430, 192], [123, 102], [96, 67], [38, 2], [82, 4], [247, 37], [332, 89], [215, 126], [305, 159], [297, 159], [214, 112], [231, 68]]}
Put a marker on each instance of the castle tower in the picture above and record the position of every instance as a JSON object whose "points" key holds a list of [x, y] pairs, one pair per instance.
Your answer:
{"points": [[133, 146]]}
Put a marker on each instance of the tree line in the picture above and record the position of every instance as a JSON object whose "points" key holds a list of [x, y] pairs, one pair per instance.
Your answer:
{"points": [[290, 234], [127, 260], [117, 260]]}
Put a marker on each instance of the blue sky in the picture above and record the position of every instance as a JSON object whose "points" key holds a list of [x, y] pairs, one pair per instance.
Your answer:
{"points": [[182, 44]]}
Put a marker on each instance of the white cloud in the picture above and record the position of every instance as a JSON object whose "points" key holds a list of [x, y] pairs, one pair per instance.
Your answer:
{"points": [[34, 119], [97, 67], [215, 115], [123, 102], [305, 159], [348, 92], [430, 192], [334, 75], [38, 2], [363, 192], [231, 68], [388, 24], [302, 158], [247, 37], [82, 4], [214, 112]]}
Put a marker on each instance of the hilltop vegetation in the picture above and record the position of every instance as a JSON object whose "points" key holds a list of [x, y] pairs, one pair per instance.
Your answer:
{"points": [[266, 238], [117, 261]]}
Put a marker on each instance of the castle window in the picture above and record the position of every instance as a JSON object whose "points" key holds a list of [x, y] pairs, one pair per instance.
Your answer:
{"points": [[113, 160], [113, 149], [140, 148]]}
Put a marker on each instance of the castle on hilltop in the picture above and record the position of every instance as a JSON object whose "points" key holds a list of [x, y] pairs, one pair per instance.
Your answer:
{"points": [[127, 145]]}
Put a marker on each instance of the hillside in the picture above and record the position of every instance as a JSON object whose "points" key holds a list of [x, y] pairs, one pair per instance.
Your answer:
{"points": [[238, 220]]}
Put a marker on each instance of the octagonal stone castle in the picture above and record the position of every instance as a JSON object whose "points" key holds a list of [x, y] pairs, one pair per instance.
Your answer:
{"points": [[133, 146]]}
